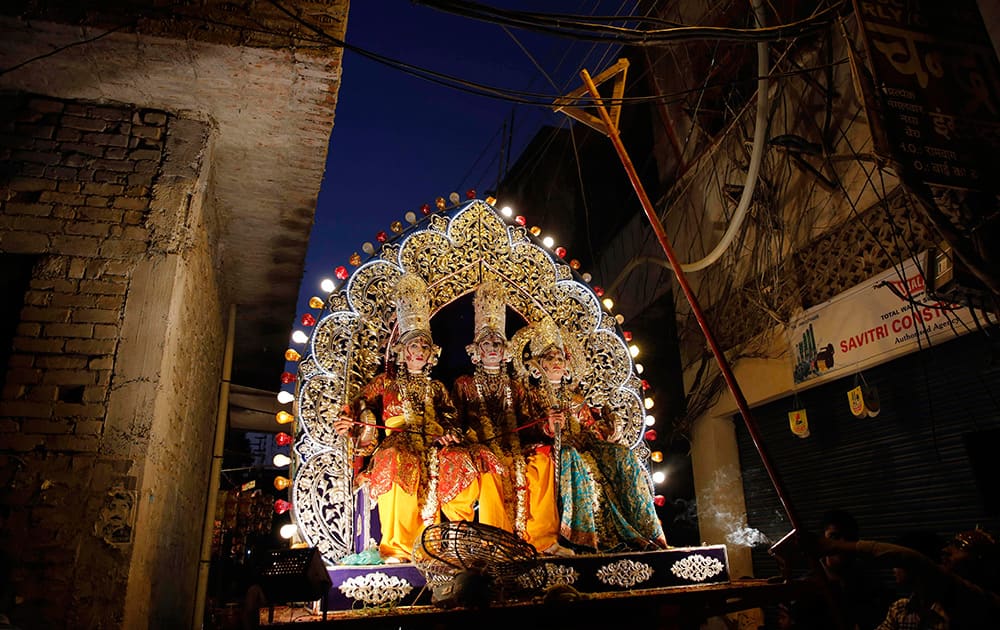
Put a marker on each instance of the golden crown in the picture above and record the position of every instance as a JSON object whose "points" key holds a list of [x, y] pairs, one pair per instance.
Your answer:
{"points": [[413, 306], [546, 335], [491, 312]]}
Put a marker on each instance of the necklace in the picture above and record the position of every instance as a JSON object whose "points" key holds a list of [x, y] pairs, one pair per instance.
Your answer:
{"points": [[416, 388], [495, 400]]}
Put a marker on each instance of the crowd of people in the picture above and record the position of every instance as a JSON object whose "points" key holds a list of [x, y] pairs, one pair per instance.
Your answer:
{"points": [[940, 584], [519, 451]]}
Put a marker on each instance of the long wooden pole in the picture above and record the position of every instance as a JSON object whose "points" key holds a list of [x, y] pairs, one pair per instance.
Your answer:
{"points": [[720, 357]]}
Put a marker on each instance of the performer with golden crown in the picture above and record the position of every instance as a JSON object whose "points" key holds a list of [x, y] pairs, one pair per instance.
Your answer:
{"points": [[517, 490], [605, 500], [416, 471]]}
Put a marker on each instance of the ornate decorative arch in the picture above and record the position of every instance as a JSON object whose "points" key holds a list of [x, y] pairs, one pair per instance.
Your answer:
{"points": [[454, 255]]}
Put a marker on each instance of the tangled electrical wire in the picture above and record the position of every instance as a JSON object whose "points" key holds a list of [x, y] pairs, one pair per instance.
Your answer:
{"points": [[595, 29]]}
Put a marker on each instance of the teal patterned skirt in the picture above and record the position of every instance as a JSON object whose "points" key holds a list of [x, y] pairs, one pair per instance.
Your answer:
{"points": [[605, 499]]}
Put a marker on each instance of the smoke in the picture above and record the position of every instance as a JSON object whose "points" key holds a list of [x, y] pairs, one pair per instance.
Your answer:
{"points": [[715, 509], [747, 537]]}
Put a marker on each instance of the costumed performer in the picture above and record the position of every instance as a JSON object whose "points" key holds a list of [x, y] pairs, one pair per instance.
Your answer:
{"points": [[604, 494], [416, 471], [517, 492]]}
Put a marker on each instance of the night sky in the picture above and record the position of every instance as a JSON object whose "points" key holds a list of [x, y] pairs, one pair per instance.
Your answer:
{"points": [[399, 141]]}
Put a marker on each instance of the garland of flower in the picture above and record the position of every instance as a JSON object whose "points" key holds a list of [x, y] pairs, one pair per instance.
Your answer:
{"points": [[520, 515], [427, 490]]}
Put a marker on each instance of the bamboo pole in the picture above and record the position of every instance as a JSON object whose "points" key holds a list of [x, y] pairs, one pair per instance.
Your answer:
{"points": [[720, 357]]}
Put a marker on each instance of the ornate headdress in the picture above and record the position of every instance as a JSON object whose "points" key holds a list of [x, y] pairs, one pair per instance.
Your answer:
{"points": [[413, 313], [546, 335], [491, 319], [532, 341], [491, 312]]}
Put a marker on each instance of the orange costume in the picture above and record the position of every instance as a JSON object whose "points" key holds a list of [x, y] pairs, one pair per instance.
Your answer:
{"points": [[411, 477], [517, 490]]}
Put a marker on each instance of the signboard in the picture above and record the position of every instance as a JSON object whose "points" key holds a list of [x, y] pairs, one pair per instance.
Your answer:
{"points": [[878, 319], [937, 84]]}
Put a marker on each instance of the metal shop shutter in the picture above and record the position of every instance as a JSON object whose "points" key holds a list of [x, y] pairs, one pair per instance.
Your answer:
{"points": [[927, 462]]}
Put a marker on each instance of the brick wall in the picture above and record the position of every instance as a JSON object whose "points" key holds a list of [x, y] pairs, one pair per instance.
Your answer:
{"points": [[113, 373]]}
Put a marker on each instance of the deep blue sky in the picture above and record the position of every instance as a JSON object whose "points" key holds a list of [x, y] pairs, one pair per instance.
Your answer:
{"points": [[399, 142]]}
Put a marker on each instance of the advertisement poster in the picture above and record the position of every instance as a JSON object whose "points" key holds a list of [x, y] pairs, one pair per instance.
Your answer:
{"points": [[880, 318]]}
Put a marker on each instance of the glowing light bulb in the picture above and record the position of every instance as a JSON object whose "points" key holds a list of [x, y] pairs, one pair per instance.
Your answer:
{"points": [[288, 530], [491, 201], [285, 397], [281, 460], [656, 456], [633, 350], [650, 420], [648, 402], [327, 285], [454, 198], [292, 355], [282, 483], [608, 303], [282, 439], [548, 241], [586, 277], [507, 211], [411, 218], [659, 476], [638, 368], [620, 319], [281, 506], [283, 417], [316, 301], [659, 500], [299, 337]]}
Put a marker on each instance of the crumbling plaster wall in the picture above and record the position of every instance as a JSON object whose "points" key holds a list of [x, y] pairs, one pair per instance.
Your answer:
{"points": [[110, 395]]}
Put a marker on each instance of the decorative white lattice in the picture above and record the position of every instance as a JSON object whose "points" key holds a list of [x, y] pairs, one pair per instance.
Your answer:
{"points": [[560, 574], [697, 568], [376, 589], [626, 573]]}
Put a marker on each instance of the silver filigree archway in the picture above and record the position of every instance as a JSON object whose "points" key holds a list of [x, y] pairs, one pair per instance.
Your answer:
{"points": [[454, 255]]}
